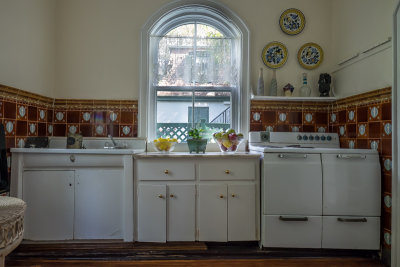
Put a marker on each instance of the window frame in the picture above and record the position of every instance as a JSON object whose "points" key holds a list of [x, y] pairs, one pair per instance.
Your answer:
{"points": [[183, 12]]}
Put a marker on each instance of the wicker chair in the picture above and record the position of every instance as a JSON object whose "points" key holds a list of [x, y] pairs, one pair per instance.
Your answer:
{"points": [[11, 225]]}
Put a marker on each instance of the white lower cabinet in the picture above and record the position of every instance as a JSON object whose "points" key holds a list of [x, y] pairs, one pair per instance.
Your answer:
{"points": [[50, 210], [73, 204], [166, 212], [227, 212]]}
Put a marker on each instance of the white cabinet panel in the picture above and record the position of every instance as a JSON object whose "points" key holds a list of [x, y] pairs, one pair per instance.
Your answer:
{"points": [[295, 190], [292, 231], [161, 170], [152, 213], [341, 232], [98, 204], [241, 212], [181, 212], [50, 204], [223, 169], [213, 212], [351, 185]]}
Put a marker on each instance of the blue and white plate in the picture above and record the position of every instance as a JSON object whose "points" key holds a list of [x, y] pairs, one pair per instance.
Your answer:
{"points": [[292, 21], [310, 56], [274, 55]]}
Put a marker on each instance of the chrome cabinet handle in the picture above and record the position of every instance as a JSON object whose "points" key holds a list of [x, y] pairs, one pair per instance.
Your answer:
{"points": [[293, 219], [292, 156], [341, 156], [72, 158], [352, 220]]}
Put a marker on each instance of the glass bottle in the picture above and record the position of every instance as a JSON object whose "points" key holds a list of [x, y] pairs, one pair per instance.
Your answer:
{"points": [[274, 86], [260, 88], [305, 90]]}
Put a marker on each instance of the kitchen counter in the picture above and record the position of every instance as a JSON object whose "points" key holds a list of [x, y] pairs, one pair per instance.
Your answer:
{"points": [[195, 155], [77, 151]]}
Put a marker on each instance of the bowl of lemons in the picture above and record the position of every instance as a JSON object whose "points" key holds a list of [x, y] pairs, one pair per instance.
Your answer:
{"points": [[164, 145]]}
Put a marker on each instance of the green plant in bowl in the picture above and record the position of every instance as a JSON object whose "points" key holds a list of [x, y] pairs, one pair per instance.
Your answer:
{"points": [[196, 142]]}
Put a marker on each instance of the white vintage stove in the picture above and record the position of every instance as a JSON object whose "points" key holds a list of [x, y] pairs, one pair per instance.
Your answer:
{"points": [[316, 195]]}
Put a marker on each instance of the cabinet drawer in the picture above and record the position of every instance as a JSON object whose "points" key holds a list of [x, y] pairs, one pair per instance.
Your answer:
{"points": [[292, 231], [227, 170], [161, 169], [72, 160], [344, 232]]}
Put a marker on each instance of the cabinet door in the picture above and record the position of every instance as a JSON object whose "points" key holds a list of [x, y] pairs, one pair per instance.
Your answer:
{"points": [[49, 196], [152, 213], [213, 213], [241, 212], [98, 204], [181, 213]]}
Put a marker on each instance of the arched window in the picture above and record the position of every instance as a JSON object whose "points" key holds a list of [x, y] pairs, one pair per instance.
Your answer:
{"points": [[195, 70]]}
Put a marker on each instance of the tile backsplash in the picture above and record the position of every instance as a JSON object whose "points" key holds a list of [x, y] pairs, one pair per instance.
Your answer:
{"points": [[362, 121]]}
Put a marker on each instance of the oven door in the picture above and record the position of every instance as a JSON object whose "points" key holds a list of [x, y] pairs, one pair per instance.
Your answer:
{"points": [[292, 184]]}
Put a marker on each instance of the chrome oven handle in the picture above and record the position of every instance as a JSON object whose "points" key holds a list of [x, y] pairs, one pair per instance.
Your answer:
{"points": [[293, 219], [352, 220], [359, 156], [292, 156]]}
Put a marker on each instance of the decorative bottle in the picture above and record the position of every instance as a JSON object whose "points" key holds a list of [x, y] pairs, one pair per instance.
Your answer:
{"points": [[260, 87], [305, 90], [274, 85]]}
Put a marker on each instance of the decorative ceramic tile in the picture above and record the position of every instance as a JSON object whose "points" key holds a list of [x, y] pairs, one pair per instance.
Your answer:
{"points": [[333, 118], [86, 116], [282, 117], [387, 238], [42, 115], [321, 129], [374, 144], [351, 116], [9, 128], [308, 118], [374, 113], [342, 130], [387, 200], [113, 116], [362, 130], [255, 117], [126, 130], [352, 144], [387, 129], [295, 128], [72, 129], [50, 129], [20, 142], [32, 129], [269, 128], [387, 163], [21, 115], [59, 116], [99, 130]]}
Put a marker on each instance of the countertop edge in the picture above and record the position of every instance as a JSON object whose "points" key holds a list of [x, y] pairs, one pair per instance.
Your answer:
{"points": [[200, 155]]}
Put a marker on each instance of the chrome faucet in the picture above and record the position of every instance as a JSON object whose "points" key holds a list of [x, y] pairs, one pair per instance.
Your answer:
{"points": [[113, 141]]}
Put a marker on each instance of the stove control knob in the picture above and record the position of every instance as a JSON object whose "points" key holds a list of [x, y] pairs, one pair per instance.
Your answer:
{"points": [[299, 137], [323, 138], [311, 138], [305, 137], [316, 138], [329, 138]]}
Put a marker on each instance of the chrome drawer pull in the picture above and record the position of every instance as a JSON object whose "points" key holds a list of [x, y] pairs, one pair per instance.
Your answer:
{"points": [[341, 156], [293, 219], [292, 156], [352, 220], [72, 158]]}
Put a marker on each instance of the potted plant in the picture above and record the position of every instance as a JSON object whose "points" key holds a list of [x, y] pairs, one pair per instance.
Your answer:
{"points": [[196, 142]]}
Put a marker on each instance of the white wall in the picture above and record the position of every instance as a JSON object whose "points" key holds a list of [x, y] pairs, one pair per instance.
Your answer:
{"points": [[27, 47], [98, 43], [356, 26]]}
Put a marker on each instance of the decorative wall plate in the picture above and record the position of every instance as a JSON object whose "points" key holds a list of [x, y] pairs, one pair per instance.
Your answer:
{"points": [[310, 56], [274, 55], [292, 21]]}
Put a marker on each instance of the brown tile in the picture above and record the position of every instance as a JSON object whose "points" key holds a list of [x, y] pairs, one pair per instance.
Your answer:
{"points": [[386, 147], [86, 130], [1, 110], [282, 128], [22, 128], [10, 110], [113, 129], [126, 130], [374, 129], [342, 117], [10, 142], [86, 116], [374, 112], [335, 129], [32, 113], [50, 114], [9, 127], [351, 130], [269, 117], [387, 111], [72, 116], [42, 129], [126, 117], [256, 117], [295, 117], [308, 117], [113, 116], [362, 143], [387, 183], [343, 142], [32, 129], [321, 118], [256, 127], [99, 117], [59, 129], [362, 114], [309, 128], [135, 130], [386, 220]]}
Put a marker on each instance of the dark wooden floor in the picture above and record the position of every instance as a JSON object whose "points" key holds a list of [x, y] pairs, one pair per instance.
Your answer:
{"points": [[180, 254]]}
